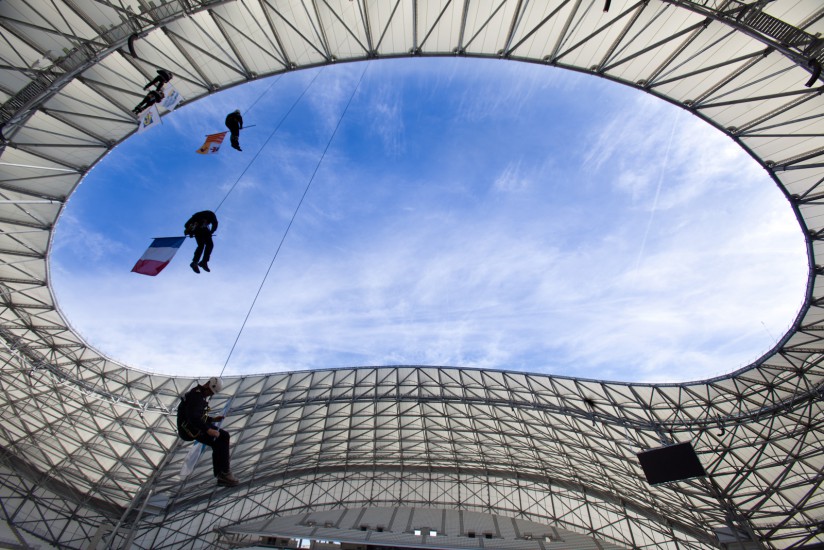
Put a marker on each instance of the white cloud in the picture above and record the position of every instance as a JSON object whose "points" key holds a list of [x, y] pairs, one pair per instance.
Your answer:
{"points": [[82, 241], [330, 93], [387, 119], [461, 251], [511, 178]]}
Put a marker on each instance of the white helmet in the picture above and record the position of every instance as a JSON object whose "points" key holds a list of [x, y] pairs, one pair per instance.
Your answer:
{"points": [[214, 384]]}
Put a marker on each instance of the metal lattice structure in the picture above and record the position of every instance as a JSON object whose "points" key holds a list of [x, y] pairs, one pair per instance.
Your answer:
{"points": [[87, 444]]}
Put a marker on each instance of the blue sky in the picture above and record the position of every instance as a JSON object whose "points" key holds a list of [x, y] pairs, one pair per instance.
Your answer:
{"points": [[472, 213]]}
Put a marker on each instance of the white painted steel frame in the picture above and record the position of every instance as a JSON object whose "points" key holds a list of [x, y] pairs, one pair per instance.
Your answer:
{"points": [[82, 437]]}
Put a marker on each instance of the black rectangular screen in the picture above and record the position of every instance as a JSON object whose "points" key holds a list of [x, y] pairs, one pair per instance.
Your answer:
{"points": [[670, 463]]}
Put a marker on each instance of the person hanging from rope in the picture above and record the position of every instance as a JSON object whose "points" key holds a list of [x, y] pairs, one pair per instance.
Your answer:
{"points": [[154, 96], [195, 424], [201, 226], [234, 121], [163, 76]]}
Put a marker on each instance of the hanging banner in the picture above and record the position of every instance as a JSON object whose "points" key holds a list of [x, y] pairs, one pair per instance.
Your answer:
{"points": [[212, 144], [171, 97], [148, 118]]}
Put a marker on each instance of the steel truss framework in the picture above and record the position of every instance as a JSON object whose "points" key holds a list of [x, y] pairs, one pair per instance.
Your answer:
{"points": [[88, 444]]}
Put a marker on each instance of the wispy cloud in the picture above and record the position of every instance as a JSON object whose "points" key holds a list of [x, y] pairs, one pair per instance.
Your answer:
{"points": [[511, 178], [83, 241], [387, 119], [471, 228]]}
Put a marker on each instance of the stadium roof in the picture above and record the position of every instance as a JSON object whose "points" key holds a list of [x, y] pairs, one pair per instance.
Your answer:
{"points": [[88, 444]]}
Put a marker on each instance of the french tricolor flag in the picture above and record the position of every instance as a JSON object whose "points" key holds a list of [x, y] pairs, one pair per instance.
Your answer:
{"points": [[158, 255]]}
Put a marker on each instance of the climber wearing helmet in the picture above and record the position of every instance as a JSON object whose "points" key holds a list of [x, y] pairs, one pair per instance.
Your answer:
{"points": [[195, 424]]}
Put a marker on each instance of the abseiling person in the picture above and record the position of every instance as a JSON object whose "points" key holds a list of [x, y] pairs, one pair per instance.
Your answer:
{"points": [[234, 121], [202, 225], [195, 424]]}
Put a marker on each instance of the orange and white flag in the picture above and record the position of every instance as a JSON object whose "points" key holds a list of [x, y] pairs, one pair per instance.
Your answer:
{"points": [[212, 144]]}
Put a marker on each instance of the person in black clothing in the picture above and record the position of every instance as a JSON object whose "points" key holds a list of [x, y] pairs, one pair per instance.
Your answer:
{"points": [[154, 96], [195, 424], [234, 121], [163, 76], [201, 226]]}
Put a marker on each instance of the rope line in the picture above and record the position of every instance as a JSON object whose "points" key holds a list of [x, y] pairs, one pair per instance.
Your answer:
{"points": [[294, 215], [249, 164], [274, 81]]}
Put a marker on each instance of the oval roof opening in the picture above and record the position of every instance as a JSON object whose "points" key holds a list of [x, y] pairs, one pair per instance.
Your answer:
{"points": [[466, 212]]}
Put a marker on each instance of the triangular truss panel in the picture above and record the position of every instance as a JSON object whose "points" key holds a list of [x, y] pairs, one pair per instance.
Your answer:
{"points": [[482, 26], [655, 39], [88, 448], [594, 35], [687, 70], [345, 28], [298, 31], [391, 30], [438, 23]]}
